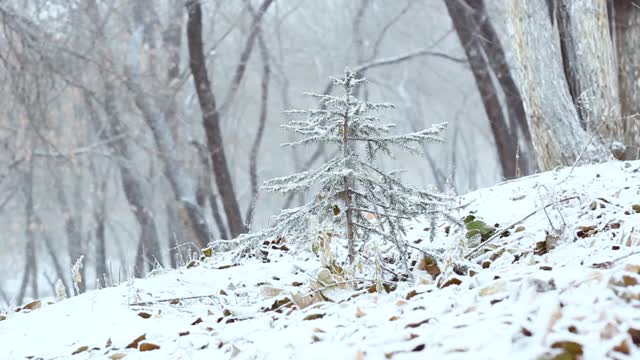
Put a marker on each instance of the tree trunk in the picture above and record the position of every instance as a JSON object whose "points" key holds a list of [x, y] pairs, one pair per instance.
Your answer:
{"points": [[589, 66], [505, 139], [497, 58], [627, 25], [211, 119], [553, 120]]}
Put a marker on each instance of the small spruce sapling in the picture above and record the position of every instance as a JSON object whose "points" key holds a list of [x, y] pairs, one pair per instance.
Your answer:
{"points": [[354, 199]]}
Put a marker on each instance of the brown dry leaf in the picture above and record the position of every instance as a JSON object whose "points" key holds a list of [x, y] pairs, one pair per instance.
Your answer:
{"points": [[223, 293], [313, 316], [629, 280], [148, 347], [412, 336], [415, 325], [635, 336], [430, 265], [144, 315], [34, 305], [183, 333], [134, 343], [80, 349], [586, 231], [360, 313], [117, 356], [401, 302], [109, 343], [318, 330], [360, 355], [197, 321], [623, 347], [296, 283], [570, 347], [3, 317], [411, 294], [393, 318], [175, 302], [418, 348], [452, 281]]}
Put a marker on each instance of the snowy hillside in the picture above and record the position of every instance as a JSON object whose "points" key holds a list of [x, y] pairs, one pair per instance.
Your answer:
{"points": [[533, 291]]}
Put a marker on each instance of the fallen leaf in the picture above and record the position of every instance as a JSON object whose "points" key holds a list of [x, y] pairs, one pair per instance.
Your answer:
{"points": [[223, 293], [144, 315], [207, 252], [117, 356], [296, 283], [570, 347], [415, 325], [393, 318], [3, 317], [635, 336], [80, 349], [318, 330], [148, 347], [623, 347], [198, 321], [109, 343], [430, 265], [411, 294], [629, 281], [418, 348], [134, 343], [313, 316], [452, 281], [34, 305], [183, 333], [360, 313]]}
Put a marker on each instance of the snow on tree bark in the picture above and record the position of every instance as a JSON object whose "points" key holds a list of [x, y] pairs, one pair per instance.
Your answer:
{"points": [[589, 66], [557, 135]]}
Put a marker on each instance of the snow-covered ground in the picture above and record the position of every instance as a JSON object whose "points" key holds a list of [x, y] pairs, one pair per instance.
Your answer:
{"points": [[576, 298]]}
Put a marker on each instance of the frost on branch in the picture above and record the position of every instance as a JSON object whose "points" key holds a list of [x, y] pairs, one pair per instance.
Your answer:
{"points": [[355, 202]]}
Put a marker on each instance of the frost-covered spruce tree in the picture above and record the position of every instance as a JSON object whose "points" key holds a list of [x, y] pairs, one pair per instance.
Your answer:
{"points": [[354, 199]]}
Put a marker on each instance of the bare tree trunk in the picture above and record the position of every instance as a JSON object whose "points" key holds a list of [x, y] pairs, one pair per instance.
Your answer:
{"points": [[262, 120], [51, 250], [497, 59], [31, 269], [589, 66], [180, 181], [207, 192], [553, 120], [505, 139], [627, 26], [211, 119]]}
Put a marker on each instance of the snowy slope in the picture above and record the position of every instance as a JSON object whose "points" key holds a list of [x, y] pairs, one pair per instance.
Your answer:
{"points": [[577, 300]]}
